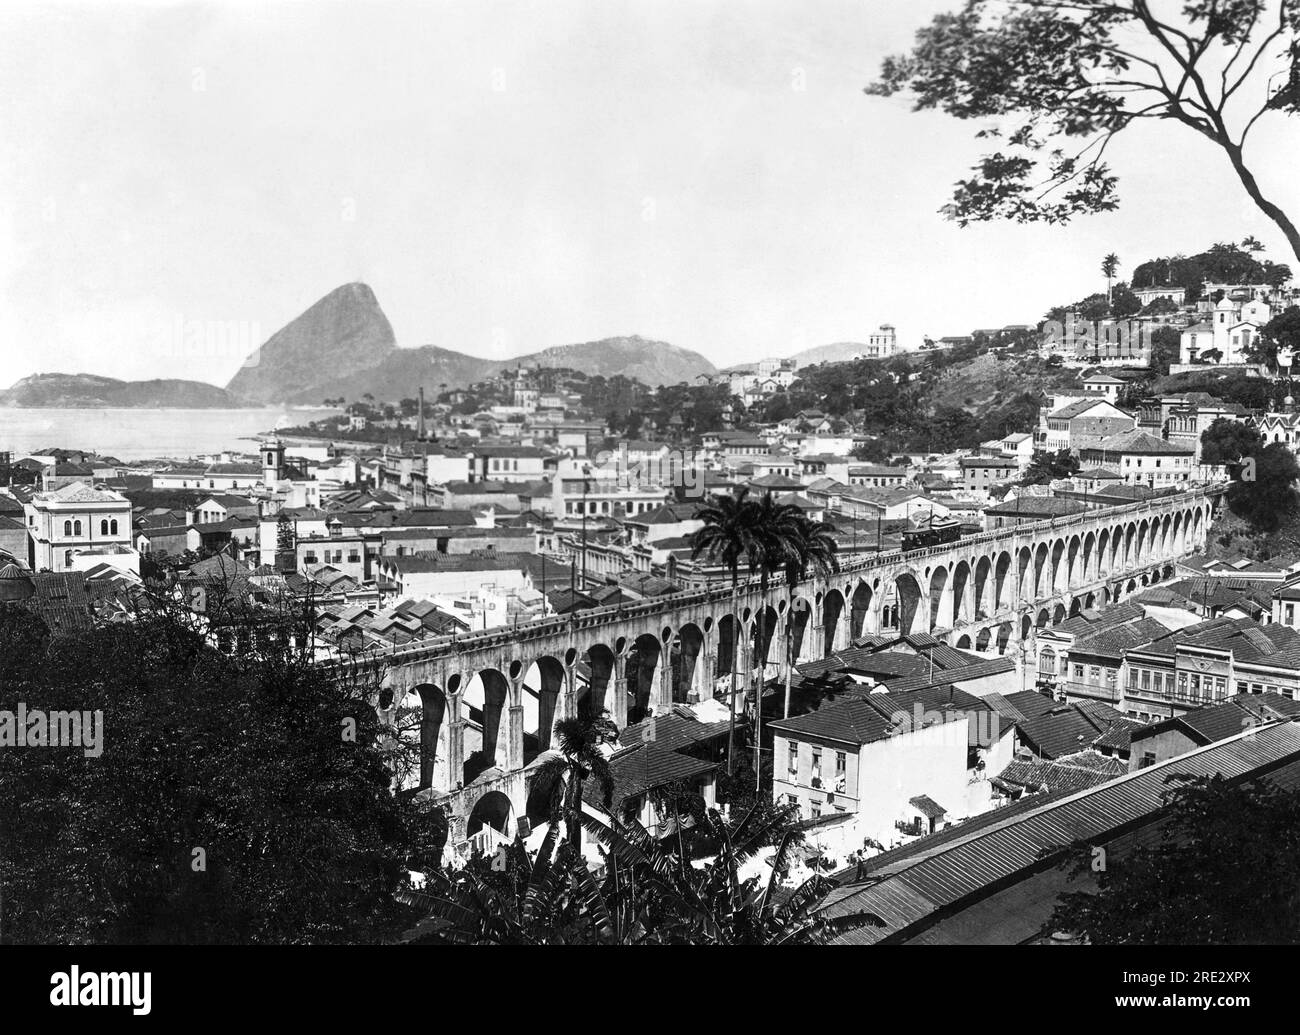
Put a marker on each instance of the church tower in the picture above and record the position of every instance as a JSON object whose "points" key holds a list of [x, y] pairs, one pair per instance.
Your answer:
{"points": [[272, 461]]}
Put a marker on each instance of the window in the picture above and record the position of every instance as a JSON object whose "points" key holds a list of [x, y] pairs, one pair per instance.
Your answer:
{"points": [[1146, 679], [794, 759], [1182, 684], [815, 810], [67, 528], [841, 763], [1078, 672], [103, 527], [1148, 759], [76, 528]]}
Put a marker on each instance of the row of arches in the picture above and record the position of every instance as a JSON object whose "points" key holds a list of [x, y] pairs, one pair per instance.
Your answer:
{"points": [[502, 717]]}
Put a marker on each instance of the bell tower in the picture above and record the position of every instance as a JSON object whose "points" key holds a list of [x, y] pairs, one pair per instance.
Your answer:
{"points": [[272, 461]]}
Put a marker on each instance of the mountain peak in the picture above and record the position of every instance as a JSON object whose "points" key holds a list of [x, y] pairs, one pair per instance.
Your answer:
{"points": [[344, 333]]}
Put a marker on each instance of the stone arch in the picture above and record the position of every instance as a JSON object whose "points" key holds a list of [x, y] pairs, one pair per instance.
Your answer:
{"points": [[764, 632], [683, 660], [861, 610], [643, 672], [964, 642], [486, 698], [597, 669], [911, 615], [1103, 553], [1073, 571], [543, 687], [1004, 637], [833, 632], [1041, 587], [985, 588], [1058, 615], [1059, 572], [1024, 573], [961, 593], [940, 603], [983, 638], [1044, 618], [494, 810], [798, 618], [1089, 553], [1076, 607], [1001, 571], [433, 710]]}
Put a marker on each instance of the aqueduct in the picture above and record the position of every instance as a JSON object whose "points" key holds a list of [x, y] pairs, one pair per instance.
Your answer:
{"points": [[487, 701]]}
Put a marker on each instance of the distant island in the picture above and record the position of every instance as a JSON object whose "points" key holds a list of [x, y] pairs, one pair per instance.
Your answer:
{"points": [[90, 391]]}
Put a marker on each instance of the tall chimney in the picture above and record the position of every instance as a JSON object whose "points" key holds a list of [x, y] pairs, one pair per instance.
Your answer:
{"points": [[420, 427]]}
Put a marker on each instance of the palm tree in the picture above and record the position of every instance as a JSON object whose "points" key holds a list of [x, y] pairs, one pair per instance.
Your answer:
{"points": [[1109, 267], [813, 548], [777, 531], [728, 535], [578, 759]]}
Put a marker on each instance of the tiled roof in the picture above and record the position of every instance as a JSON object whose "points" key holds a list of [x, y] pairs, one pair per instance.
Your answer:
{"points": [[1220, 721], [1069, 728], [1070, 773], [644, 767], [1139, 441]]}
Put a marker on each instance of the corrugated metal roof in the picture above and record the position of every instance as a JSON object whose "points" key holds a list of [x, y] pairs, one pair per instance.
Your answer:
{"points": [[916, 888]]}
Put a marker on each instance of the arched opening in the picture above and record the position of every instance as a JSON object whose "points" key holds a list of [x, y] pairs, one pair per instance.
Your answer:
{"points": [[543, 685], [726, 662], [961, 581], [910, 614], [964, 642], [1089, 552], [982, 639], [861, 609], [1058, 615], [764, 632], [940, 603], [1024, 573], [642, 667], [797, 623], [1059, 574], [683, 658], [492, 810], [486, 736], [433, 707], [1044, 618], [984, 602], [1004, 637], [594, 672], [832, 609], [1041, 585], [1076, 607], [1001, 571]]}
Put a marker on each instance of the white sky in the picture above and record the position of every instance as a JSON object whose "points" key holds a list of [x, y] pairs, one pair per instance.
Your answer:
{"points": [[522, 175]]}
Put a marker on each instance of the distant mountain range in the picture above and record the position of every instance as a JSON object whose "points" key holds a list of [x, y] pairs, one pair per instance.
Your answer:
{"points": [[91, 390], [344, 345]]}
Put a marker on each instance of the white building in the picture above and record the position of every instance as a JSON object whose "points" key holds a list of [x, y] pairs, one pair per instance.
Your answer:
{"points": [[78, 518]]}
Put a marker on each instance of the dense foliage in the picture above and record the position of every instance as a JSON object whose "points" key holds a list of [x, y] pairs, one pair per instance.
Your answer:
{"points": [[1226, 871], [236, 799]]}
